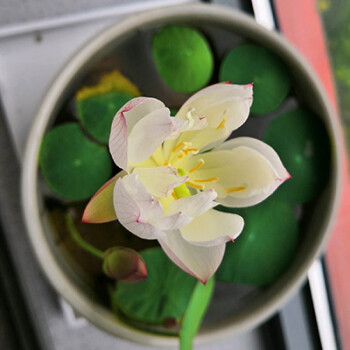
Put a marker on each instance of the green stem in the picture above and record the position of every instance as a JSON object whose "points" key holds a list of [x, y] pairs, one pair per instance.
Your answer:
{"points": [[83, 244]]}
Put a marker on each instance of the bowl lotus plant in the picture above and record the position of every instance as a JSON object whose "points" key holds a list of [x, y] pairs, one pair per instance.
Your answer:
{"points": [[176, 170]]}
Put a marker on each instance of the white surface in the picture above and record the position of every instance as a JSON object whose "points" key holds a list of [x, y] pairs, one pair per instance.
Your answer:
{"points": [[122, 7], [28, 65], [18, 12], [321, 306], [263, 13]]}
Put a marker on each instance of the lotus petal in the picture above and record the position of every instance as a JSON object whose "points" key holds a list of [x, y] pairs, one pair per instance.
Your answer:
{"points": [[160, 181], [136, 208], [100, 208], [195, 205], [200, 262], [246, 175], [142, 121], [212, 228]]}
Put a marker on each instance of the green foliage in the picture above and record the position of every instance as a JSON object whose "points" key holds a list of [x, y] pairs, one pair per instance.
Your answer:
{"points": [[165, 293], [195, 312], [173, 111], [73, 166], [265, 248], [301, 141], [183, 58], [97, 113], [249, 63]]}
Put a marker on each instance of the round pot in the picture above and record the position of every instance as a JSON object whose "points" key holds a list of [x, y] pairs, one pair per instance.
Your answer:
{"points": [[227, 27]]}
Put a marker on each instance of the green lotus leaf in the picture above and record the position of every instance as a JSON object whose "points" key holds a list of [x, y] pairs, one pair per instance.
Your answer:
{"points": [[265, 248], [164, 294], [250, 63], [96, 113], [301, 141], [73, 166], [183, 58]]}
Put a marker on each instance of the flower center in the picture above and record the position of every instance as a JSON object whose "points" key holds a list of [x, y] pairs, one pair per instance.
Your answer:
{"points": [[181, 190], [201, 163], [180, 151], [184, 148]]}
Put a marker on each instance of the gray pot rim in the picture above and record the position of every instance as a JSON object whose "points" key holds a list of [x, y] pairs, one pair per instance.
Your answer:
{"points": [[30, 196]]}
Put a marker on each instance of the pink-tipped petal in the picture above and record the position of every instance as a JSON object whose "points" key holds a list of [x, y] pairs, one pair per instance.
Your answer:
{"points": [[136, 208], [225, 106], [118, 141], [271, 158], [140, 107], [100, 208], [150, 132], [220, 101], [267, 151], [200, 262], [123, 123], [213, 228]]}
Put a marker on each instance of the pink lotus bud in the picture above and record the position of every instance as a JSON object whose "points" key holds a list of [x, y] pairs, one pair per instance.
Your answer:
{"points": [[124, 264]]}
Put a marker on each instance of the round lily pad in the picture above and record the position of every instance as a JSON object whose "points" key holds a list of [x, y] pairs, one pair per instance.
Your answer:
{"points": [[73, 166], [249, 63], [97, 113], [265, 248], [165, 292], [301, 141], [183, 58]]}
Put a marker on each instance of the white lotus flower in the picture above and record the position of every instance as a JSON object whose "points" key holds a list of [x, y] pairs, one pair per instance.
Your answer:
{"points": [[169, 187]]}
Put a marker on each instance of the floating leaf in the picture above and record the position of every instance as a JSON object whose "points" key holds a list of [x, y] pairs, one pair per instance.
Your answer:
{"points": [[73, 166], [265, 248], [249, 63], [195, 312], [301, 141], [97, 113], [183, 58], [164, 294], [113, 81]]}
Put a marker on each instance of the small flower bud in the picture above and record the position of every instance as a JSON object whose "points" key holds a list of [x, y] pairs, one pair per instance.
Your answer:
{"points": [[124, 264]]}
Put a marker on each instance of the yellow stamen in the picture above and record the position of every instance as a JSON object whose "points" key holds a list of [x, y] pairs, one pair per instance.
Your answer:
{"points": [[174, 196], [211, 179], [177, 146], [200, 187], [187, 150], [235, 189], [201, 162], [222, 124], [182, 154], [166, 164]]}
